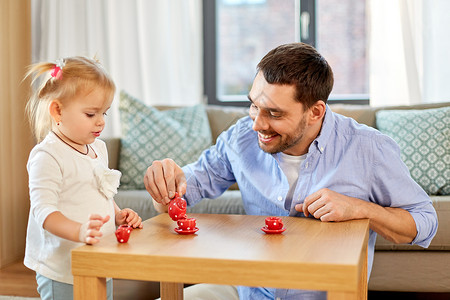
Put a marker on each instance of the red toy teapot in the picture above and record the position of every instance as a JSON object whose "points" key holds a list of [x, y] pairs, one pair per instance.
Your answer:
{"points": [[177, 208]]}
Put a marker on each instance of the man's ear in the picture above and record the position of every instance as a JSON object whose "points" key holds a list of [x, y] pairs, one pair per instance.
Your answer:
{"points": [[317, 111], [55, 110]]}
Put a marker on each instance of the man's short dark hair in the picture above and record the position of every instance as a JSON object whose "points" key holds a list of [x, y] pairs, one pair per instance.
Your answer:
{"points": [[301, 65]]}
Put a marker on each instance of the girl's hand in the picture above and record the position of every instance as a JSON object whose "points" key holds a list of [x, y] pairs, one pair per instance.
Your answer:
{"points": [[90, 231], [129, 217]]}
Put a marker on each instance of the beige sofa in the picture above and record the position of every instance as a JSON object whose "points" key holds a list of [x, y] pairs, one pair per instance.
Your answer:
{"points": [[395, 268]]}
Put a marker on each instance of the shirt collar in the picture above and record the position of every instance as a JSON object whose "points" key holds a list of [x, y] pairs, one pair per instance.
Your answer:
{"points": [[325, 132]]}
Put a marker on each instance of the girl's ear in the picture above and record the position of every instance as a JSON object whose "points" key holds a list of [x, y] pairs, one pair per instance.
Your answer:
{"points": [[55, 110]]}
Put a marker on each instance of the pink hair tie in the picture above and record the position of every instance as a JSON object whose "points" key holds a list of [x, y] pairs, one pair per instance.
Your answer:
{"points": [[57, 69]]}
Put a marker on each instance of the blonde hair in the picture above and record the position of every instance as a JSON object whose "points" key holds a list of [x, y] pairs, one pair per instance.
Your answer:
{"points": [[78, 74]]}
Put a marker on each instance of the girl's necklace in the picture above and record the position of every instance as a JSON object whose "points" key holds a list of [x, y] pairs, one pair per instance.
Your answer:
{"points": [[87, 147]]}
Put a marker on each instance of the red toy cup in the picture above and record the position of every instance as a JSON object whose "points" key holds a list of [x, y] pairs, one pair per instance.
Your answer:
{"points": [[123, 233], [186, 224], [274, 223]]}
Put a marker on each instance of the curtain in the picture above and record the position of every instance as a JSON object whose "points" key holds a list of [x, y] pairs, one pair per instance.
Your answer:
{"points": [[15, 135], [409, 46], [152, 49]]}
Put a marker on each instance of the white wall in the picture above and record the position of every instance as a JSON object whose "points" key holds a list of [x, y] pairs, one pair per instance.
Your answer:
{"points": [[436, 37]]}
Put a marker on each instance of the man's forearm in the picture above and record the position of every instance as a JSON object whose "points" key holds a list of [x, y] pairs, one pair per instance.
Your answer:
{"points": [[394, 224]]}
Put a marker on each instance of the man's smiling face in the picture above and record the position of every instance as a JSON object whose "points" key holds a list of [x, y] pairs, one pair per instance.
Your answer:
{"points": [[281, 121]]}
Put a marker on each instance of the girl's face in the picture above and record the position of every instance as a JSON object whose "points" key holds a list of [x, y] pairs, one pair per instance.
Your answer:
{"points": [[82, 118]]}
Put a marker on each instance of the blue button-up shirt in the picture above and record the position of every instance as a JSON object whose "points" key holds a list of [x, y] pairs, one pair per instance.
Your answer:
{"points": [[346, 157]]}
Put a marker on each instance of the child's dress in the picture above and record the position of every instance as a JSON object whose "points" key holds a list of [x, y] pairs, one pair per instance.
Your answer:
{"points": [[61, 179]]}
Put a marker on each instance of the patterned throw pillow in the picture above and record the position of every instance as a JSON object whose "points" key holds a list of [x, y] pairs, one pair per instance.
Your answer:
{"points": [[149, 134], [424, 140]]}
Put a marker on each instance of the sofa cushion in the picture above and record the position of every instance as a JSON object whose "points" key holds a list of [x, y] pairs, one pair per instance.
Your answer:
{"points": [[411, 271], [363, 114], [424, 140], [141, 202], [113, 146], [366, 114], [149, 134], [220, 117]]}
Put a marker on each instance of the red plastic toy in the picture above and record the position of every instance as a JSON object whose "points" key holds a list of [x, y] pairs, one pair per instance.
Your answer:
{"points": [[177, 208], [123, 233]]}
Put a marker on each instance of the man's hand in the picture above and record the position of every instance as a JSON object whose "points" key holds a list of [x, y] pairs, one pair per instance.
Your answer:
{"points": [[328, 205], [393, 223], [163, 178]]}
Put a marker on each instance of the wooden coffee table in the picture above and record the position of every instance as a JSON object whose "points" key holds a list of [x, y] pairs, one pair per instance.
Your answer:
{"points": [[232, 250]]}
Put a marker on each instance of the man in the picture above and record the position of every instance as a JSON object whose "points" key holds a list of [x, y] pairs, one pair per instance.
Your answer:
{"points": [[294, 156]]}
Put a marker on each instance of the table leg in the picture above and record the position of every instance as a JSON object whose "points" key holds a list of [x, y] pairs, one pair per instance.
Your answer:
{"points": [[362, 287], [171, 291], [361, 293], [342, 296], [85, 287]]}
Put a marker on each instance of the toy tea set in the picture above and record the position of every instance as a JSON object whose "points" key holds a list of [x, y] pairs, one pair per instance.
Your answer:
{"points": [[177, 212], [123, 233], [274, 225]]}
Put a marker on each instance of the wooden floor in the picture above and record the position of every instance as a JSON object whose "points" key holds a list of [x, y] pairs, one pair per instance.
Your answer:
{"points": [[17, 280]]}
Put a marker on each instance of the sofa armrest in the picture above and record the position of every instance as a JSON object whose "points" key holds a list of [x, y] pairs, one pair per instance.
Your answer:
{"points": [[113, 146]]}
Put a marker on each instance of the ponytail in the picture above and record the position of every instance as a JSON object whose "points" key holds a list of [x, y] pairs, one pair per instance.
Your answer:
{"points": [[61, 81]]}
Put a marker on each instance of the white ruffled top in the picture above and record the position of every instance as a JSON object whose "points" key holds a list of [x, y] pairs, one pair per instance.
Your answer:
{"points": [[108, 180]]}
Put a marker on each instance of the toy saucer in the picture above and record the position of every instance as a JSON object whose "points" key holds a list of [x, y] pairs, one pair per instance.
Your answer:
{"points": [[272, 231], [184, 232]]}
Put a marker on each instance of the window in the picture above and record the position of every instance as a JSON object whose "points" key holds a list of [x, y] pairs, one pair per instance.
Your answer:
{"points": [[340, 36], [238, 33]]}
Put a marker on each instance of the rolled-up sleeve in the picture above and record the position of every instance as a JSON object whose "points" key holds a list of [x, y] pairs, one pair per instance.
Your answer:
{"points": [[393, 186], [426, 225]]}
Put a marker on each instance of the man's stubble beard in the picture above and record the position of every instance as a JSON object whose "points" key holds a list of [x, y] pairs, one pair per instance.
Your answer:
{"points": [[289, 142]]}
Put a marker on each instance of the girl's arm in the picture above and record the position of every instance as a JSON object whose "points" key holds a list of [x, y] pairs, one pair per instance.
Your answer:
{"points": [[59, 225]]}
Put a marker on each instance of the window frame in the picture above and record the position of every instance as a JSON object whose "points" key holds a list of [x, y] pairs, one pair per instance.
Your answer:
{"points": [[210, 56]]}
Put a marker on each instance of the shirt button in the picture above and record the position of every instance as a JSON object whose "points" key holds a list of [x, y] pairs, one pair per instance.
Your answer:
{"points": [[306, 165], [280, 198], [321, 149], [277, 298]]}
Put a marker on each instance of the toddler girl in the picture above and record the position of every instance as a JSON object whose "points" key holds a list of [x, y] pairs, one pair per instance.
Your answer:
{"points": [[71, 186]]}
